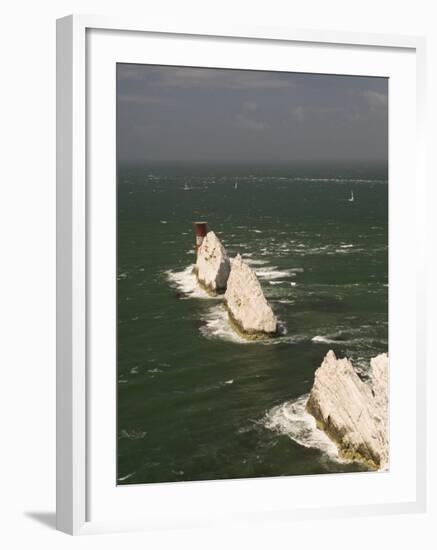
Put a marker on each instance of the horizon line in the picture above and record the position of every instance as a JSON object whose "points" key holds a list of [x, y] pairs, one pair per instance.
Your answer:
{"points": [[245, 161]]}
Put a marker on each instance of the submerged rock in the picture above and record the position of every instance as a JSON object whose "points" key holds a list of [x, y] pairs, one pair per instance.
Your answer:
{"points": [[213, 265], [246, 304], [352, 412]]}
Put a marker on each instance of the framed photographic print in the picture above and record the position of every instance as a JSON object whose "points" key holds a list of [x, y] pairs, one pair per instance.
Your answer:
{"points": [[239, 326]]}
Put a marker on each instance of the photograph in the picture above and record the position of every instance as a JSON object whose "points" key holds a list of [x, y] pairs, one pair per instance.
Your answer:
{"points": [[252, 274]]}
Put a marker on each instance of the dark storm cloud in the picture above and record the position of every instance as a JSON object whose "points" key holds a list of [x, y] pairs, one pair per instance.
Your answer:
{"points": [[177, 113]]}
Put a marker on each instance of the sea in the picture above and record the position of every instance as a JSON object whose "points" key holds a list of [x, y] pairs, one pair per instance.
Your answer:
{"points": [[195, 401]]}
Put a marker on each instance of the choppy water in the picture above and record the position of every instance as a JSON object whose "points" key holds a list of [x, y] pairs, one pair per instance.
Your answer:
{"points": [[197, 402]]}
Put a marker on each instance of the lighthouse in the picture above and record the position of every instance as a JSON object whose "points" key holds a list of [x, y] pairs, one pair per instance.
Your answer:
{"points": [[201, 231]]}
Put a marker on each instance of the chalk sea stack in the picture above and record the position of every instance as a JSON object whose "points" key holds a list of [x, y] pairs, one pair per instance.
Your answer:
{"points": [[248, 309], [353, 413], [212, 265]]}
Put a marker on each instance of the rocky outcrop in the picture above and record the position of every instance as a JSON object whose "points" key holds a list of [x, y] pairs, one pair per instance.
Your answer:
{"points": [[213, 265], [248, 309], [353, 413]]}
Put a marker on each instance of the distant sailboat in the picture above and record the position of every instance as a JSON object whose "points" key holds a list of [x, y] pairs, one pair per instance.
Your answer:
{"points": [[351, 199], [186, 188], [236, 185]]}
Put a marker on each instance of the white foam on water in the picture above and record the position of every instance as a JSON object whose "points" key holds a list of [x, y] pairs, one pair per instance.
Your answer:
{"points": [[285, 338], [272, 273], [340, 337], [293, 420], [321, 340], [254, 262], [126, 477], [217, 326], [326, 340], [328, 249], [132, 434], [186, 282], [339, 179]]}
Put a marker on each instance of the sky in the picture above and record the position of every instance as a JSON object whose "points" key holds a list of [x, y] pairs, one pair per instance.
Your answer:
{"points": [[222, 115]]}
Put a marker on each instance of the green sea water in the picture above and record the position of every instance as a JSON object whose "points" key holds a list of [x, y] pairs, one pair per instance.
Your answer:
{"points": [[194, 400]]}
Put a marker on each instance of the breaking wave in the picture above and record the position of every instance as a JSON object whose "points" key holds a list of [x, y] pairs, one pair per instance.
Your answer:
{"points": [[292, 419], [185, 282], [217, 326]]}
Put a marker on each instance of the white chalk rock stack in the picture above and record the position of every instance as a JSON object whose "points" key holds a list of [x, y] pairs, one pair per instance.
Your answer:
{"points": [[352, 412], [213, 265], [379, 383], [246, 303]]}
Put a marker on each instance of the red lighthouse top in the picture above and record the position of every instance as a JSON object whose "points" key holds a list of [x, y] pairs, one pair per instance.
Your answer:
{"points": [[201, 228], [201, 231]]}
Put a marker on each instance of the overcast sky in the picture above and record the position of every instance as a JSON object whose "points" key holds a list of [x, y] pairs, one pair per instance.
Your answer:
{"points": [[183, 113]]}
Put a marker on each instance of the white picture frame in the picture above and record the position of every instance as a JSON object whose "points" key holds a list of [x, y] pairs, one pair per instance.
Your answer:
{"points": [[74, 343]]}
